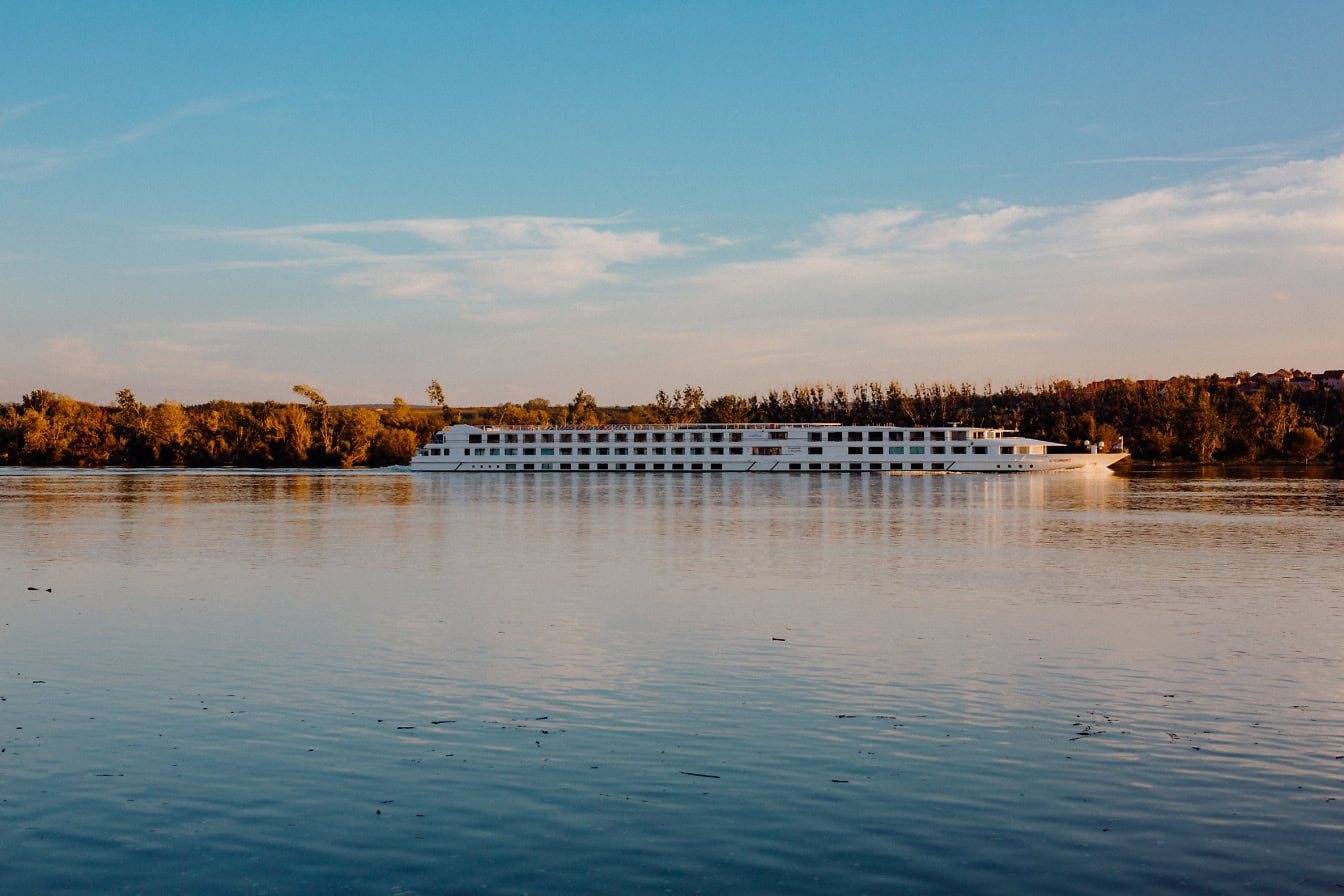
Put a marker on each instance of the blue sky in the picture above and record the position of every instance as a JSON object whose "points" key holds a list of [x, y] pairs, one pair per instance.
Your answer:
{"points": [[524, 199]]}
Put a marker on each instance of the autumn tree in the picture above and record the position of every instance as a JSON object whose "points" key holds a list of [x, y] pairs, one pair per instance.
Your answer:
{"points": [[1303, 444], [435, 393], [320, 413], [583, 410]]}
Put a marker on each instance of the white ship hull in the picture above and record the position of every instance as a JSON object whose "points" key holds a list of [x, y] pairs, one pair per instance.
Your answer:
{"points": [[746, 448]]}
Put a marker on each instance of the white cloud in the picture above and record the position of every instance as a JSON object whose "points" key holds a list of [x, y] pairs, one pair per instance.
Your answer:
{"points": [[478, 259]]}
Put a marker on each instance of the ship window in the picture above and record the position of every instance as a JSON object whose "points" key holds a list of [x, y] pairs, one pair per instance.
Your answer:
{"points": [[875, 436], [548, 437], [897, 437], [938, 449], [492, 439], [678, 466], [583, 466], [697, 451], [510, 437], [697, 437], [795, 466], [916, 466], [639, 466], [678, 436], [767, 450], [834, 436], [660, 450], [716, 437], [602, 437], [622, 437], [622, 450], [604, 451], [529, 466], [814, 437], [566, 437], [510, 466], [435, 451], [479, 452], [474, 439], [735, 450], [736, 436], [815, 450], [979, 449], [917, 449], [1005, 449], [715, 450], [697, 466], [602, 466], [897, 449], [779, 434], [641, 437], [916, 436], [874, 466], [958, 449], [529, 452], [660, 437], [529, 438], [855, 449], [678, 450], [716, 466], [660, 466], [494, 452], [814, 466], [510, 451], [620, 466], [546, 466], [546, 451], [585, 437], [856, 466], [939, 466], [874, 449], [585, 451], [566, 466], [566, 450], [641, 451], [856, 437], [958, 435], [938, 435], [835, 466]]}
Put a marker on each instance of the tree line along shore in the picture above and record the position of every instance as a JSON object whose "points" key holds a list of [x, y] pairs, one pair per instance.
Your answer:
{"points": [[1184, 419]]}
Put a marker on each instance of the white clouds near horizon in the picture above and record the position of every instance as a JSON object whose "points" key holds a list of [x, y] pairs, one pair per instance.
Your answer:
{"points": [[477, 259], [1218, 273]]}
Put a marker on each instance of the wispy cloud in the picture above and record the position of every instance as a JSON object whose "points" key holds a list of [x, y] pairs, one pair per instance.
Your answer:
{"points": [[14, 113], [464, 258], [26, 161]]}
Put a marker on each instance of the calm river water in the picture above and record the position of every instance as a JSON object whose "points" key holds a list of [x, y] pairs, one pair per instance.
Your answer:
{"points": [[384, 682]]}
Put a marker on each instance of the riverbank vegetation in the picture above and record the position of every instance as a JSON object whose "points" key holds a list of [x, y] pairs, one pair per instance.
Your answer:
{"points": [[1184, 419]]}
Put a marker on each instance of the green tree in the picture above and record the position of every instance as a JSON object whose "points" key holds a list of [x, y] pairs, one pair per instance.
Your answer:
{"points": [[728, 409]]}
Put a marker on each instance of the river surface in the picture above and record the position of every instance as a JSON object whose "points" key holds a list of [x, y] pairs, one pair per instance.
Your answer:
{"points": [[385, 682]]}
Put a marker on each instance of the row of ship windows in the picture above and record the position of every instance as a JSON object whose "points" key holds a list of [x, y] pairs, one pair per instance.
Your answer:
{"points": [[793, 467], [875, 435], [771, 451]]}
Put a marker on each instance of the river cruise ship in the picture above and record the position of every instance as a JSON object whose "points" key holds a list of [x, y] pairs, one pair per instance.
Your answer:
{"points": [[748, 448]]}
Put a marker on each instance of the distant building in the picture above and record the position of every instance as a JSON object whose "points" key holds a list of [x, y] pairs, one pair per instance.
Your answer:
{"points": [[1332, 379]]}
